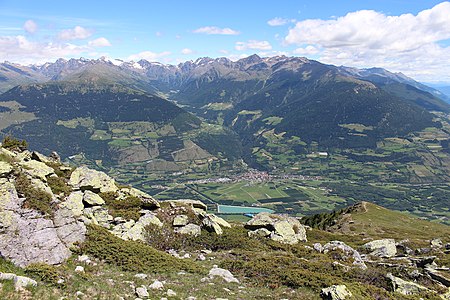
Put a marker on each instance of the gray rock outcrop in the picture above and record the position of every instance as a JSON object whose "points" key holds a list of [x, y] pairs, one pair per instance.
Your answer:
{"points": [[381, 248], [282, 229], [346, 250], [405, 287], [83, 178]]}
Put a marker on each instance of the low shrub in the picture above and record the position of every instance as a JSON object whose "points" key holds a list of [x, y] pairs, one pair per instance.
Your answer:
{"points": [[43, 272], [14, 144], [132, 256], [34, 198], [58, 185], [128, 208]]}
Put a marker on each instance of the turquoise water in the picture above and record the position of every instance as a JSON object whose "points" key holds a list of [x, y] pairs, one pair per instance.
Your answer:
{"points": [[231, 209]]}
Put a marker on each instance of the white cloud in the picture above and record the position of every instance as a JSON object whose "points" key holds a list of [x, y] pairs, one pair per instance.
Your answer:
{"points": [[216, 30], [308, 50], [100, 42], [30, 26], [148, 55], [159, 34], [76, 33], [187, 51], [20, 50], [279, 21], [406, 43], [253, 44]]}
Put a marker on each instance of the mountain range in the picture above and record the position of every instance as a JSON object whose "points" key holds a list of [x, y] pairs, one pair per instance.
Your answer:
{"points": [[275, 113]]}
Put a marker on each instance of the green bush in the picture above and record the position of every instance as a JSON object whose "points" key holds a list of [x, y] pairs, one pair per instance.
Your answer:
{"points": [[232, 238], [43, 272], [132, 255], [11, 143], [58, 185], [34, 198], [128, 208]]}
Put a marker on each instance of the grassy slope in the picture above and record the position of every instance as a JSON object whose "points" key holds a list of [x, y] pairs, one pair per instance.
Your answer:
{"points": [[378, 222]]}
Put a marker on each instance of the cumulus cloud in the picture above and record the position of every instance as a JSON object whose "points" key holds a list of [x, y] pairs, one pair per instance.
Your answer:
{"points": [[100, 42], [308, 50], [30, 26], [21, 50], [148, 55], [187, 51], [216, 30], [279, 21], [76, 33], [407, 43], [253, 44]]}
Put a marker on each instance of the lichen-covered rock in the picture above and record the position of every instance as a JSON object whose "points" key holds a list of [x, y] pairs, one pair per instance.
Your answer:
{"points": [[37, 169], [188, 202], [405, 287], [137, 231], [189, 229], [346, 250], [381, 248], [148, 202], [180, 220], [92, 198], [83, 178], [74, 202], [5, 169], [97, 215], [335, 292], [213, 223], [27, 237], [282, 229]]}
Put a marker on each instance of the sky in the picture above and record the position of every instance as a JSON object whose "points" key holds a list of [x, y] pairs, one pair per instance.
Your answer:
{"points": [[408, 36]]}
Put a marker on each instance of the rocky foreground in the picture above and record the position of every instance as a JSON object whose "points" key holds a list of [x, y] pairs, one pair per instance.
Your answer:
{"points": [[55, 215]]}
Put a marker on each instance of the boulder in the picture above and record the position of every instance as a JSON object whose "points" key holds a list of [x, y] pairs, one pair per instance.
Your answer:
{"points": [[335, 292], [190, 229], [222, 273], [74, 202], [282, 229], [188, 202], [20, 282], [148, 202], [213, 223], [142, 292], [137, 231], [68, 228], [40, 157], [83, 178], [92, 198], [405, 287], [180, 220], [97, 215], [5, 169], [156, 285], [27, 237], [436, 243], [381, 248], [346, 250], [37, 169]]}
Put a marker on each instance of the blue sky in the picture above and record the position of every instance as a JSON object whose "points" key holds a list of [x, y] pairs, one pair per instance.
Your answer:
{"points": [[407, 36]]}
